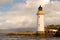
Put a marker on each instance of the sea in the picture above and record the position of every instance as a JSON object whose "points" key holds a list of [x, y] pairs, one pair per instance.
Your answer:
{"points": [[28, 38]]}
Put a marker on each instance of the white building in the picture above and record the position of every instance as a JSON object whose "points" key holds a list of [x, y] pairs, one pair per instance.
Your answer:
{"points": [[40, 20]]}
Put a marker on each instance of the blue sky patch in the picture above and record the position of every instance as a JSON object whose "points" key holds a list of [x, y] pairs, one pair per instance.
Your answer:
{"points": [[19, 1], [7, 6], [54, 0]]}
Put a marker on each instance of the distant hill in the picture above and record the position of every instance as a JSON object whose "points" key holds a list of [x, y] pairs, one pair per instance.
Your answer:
{"points": [[16, 30]]}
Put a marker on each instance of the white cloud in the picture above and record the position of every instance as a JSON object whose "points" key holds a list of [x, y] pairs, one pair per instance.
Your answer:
{"points": [[5, 1], [24, 15], [34, 3], [16, 21], [52, 13]]}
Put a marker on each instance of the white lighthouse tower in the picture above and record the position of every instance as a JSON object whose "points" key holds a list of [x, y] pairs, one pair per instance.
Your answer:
{"points": [[40, 20]]}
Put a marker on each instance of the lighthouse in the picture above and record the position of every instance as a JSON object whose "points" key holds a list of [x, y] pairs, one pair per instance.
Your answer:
{"points": [[40, 20]]}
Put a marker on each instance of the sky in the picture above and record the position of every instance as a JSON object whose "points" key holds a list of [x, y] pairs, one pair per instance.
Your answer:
{"points": [[22, 13]]}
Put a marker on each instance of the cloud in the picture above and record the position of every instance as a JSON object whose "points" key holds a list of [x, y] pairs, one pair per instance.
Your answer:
{"points": [[52, 13], [34, 3], [23, 15], [11, 20], [5, 1], [17, 22]]}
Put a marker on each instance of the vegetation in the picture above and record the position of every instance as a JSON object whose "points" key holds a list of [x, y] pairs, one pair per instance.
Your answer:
{"points": [[53, 27], [57, 27], [57, 33]]}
